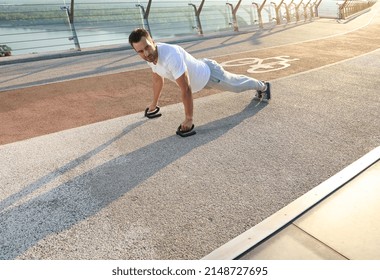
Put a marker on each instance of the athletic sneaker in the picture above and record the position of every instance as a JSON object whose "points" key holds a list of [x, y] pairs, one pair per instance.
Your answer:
{"points": [[264, 94]]}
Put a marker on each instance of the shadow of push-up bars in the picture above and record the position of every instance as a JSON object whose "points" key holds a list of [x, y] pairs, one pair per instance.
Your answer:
{"points": [[23, 226]]}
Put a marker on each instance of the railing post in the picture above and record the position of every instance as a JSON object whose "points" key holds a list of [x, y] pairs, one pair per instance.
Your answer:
{"points": [[145, 15], [259, 9], [234, 21], [342, 13], [312, 9], [297, 10], [234, 11], [197, 16], [316, 6], [305, 9], [258, 14], [288, 17], [277, 9], [70, 15]]}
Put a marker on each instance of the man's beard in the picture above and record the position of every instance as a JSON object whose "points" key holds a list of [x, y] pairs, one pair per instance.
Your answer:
{"points": [[151, 58]]}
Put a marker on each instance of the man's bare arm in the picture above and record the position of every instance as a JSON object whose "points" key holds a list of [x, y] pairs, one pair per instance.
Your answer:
{"points": [[158, 84], [187, 98]]}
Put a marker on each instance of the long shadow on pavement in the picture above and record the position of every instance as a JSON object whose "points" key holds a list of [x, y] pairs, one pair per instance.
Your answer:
{"points": [[67, 167], [23, 226]]}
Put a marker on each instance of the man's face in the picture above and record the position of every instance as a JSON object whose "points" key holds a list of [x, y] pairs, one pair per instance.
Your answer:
{"points": [[147, 49]]}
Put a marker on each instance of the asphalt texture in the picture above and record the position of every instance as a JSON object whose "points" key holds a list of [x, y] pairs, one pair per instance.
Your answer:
{"points": [[129, 188]]}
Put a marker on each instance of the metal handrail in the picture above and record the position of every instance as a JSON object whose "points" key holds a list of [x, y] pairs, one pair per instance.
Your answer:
{"points": [[305, 7], [352, 7], [316, 6], [277, 11], [145, 16], [95, 24], [70, 15], [234, 11], [197, 12], [259, 10], [297, 10], [288, 15]]}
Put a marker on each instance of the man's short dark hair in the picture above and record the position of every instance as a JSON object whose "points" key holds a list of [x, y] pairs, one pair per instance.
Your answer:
{"points": [[137, 34]]}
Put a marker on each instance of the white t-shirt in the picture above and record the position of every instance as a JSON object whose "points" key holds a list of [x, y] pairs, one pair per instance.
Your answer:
{"points": [[173, 61]]}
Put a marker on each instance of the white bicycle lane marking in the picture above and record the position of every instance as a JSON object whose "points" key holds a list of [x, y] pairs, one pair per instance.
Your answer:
{"points": [[258, 65]]}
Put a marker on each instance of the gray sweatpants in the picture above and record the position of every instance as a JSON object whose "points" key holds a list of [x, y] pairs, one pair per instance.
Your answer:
{"points": [[224, 80]]}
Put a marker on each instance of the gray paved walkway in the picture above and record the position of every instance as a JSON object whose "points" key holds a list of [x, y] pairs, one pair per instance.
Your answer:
{"points": [[336, 220]]}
